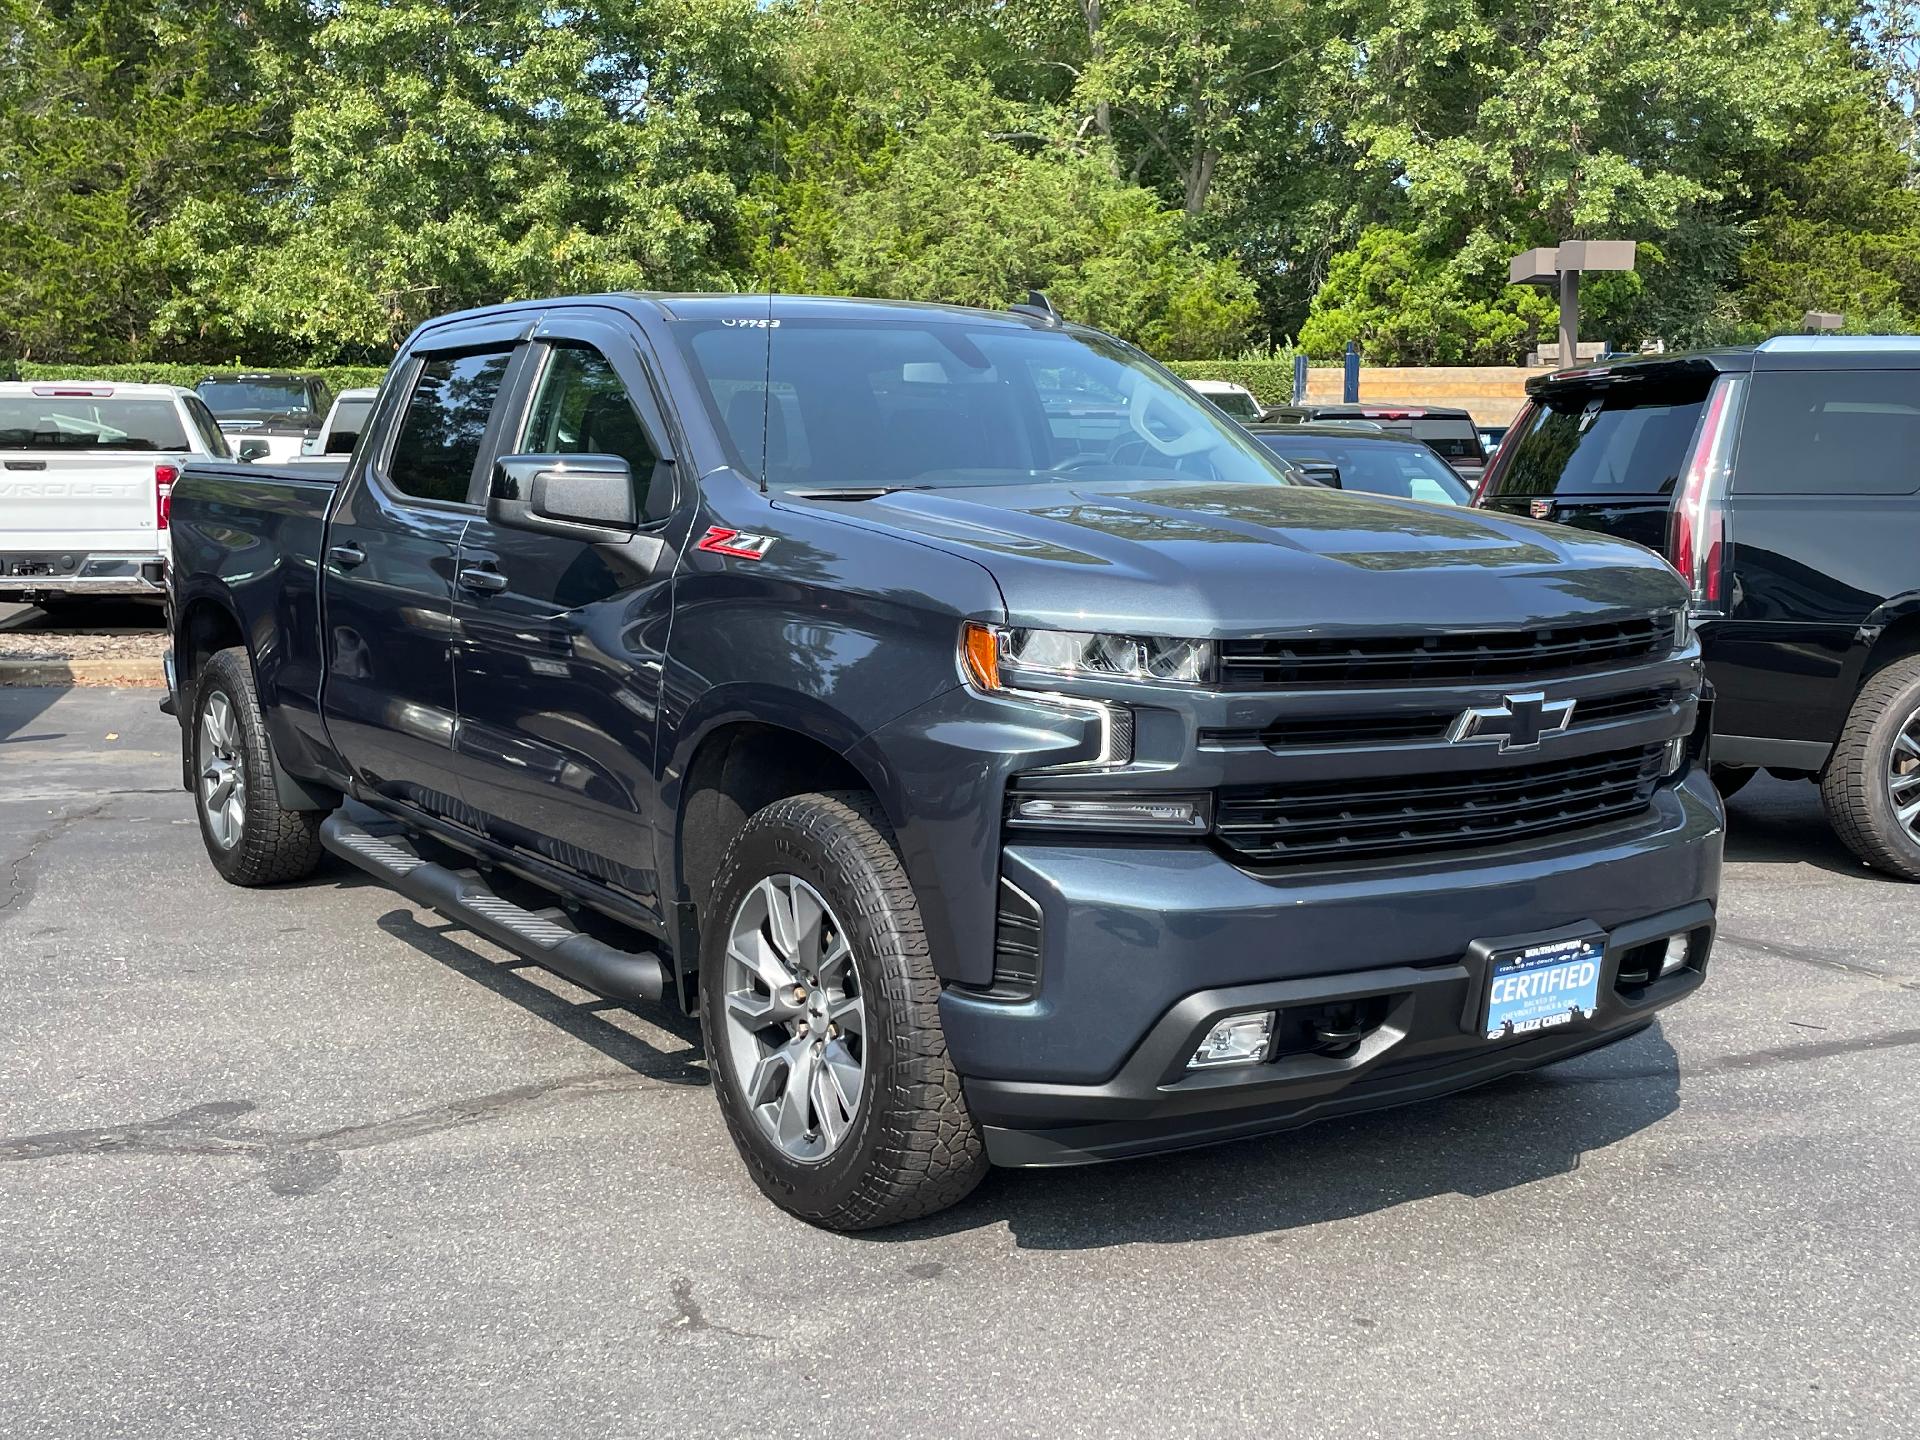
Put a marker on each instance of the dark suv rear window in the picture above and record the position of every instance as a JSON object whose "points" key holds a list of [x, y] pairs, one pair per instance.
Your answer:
{"points": [[1831, 432], [1630, 439]]}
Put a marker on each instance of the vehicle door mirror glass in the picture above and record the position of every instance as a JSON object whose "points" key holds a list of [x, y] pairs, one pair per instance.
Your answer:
{"points": [[251, 450], [587, 497]]}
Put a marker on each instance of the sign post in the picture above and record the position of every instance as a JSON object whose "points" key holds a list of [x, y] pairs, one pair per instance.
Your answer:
{"points": [[1561, 266]]}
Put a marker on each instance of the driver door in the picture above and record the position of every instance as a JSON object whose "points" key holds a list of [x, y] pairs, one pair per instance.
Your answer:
{"points": [[561, 640]]}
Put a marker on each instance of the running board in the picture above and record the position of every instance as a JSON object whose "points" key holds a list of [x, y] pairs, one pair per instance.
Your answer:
{"points": [[466, 899]]}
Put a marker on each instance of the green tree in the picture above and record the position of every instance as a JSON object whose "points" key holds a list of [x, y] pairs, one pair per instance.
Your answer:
{"points": [[454, 156]]}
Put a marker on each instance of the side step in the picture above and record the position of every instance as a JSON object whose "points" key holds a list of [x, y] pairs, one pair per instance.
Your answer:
{"points": [[466, 899]]}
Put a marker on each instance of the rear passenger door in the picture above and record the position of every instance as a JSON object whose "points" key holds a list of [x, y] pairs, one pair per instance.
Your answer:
{"points": [[1825, 524], [392, 546], [561, 640]]}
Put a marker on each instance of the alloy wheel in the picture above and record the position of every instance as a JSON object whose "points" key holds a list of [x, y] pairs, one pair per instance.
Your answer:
{"points": [[1903, 776], [795, 1018], [223, 779]]}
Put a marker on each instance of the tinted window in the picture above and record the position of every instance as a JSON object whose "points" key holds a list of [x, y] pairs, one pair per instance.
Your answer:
{"points": [[1455, 439], [212, 438], [581, 407], [1377, 467], [1834, 432], [349, 417], [944, 403], [231, 397], [443, 424], [80, 422], [1241, 407], [1632, 440]]}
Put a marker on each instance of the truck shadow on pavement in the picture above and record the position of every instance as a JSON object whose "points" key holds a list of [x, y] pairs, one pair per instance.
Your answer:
{"points": [[1501, 1136], [1781, 822]]}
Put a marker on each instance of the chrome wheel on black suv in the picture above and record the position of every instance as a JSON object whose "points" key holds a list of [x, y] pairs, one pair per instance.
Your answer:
{"points": [[1872, 783], [822, 1023]]}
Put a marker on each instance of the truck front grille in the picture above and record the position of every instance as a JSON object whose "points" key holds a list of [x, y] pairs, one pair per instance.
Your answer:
{"points": [[1369, 819], [1443, 659]]}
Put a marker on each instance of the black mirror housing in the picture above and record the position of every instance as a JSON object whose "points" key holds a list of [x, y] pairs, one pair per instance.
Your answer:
{"points": [[585, 497], [252, 450]]}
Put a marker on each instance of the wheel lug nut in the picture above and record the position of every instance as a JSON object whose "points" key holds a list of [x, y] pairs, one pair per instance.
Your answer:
{"points": [[803, 1027], [799, 995]]}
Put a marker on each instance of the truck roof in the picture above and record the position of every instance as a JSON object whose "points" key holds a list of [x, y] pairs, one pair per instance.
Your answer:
{"points": [[1782, 352], [676, 306], [91, 388]]}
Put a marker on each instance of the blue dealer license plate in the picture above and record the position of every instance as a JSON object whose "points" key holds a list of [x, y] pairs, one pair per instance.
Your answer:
{"points": [[1553, 983]]}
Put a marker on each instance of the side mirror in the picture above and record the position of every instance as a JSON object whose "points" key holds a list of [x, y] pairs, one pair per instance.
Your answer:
{"points": [[252, 450], [583, 497], [1321, 472]]}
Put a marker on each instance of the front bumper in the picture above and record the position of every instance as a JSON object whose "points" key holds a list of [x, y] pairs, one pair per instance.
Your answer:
{"points": [[1144, 949], [68, 573]]}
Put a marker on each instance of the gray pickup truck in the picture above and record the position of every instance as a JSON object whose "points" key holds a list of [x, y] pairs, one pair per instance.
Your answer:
{"points": [[989, 741]]}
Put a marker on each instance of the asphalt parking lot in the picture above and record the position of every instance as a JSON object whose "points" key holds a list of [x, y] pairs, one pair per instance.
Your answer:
{"points": [[307, 1162]]}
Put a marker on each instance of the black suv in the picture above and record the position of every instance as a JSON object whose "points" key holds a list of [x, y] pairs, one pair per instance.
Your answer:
{"points": [[1781, 482]]}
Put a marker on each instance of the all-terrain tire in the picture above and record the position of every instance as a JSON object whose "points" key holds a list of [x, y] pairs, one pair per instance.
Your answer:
{"points": [[274, 844], [1855, 785], [913, 1148]]}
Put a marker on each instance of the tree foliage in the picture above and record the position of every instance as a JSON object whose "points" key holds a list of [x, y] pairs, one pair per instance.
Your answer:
{"points": [[304, 180]]}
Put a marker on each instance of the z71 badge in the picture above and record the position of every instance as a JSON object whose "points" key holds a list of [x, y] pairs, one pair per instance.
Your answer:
{"points": [[721, 541]]}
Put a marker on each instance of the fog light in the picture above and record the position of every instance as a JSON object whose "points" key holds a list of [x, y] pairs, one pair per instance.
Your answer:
{"points": [[1676, 956], [1236, 1040], [1186, 814]]}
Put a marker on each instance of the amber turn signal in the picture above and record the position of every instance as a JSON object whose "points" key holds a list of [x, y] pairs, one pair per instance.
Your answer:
{"points": [[980, 655]]}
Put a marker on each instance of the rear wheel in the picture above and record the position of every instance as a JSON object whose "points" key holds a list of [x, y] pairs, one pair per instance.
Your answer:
{"points": [[820, 1011], [1872, 782], [250, 837]]}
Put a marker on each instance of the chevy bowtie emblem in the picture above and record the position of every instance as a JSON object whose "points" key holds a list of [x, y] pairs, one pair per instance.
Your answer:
{"points": [[1517, 723]]}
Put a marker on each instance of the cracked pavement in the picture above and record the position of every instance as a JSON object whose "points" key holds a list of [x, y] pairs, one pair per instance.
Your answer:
{"points": [[307, 1162]]}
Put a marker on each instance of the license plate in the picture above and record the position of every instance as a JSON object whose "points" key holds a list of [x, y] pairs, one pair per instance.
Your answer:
{"points": [[1553, 983]]}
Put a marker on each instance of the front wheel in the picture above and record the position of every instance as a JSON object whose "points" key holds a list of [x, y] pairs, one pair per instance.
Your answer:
{"points": [[1872, 782], [250, 837], [821, 1016]]}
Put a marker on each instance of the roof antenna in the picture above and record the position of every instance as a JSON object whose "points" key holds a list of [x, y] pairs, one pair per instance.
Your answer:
{"points": [[766, 390], [1039, 307]]}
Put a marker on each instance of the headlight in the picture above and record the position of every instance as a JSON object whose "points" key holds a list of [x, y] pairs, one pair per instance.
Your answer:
{"points": [[997, 657]]}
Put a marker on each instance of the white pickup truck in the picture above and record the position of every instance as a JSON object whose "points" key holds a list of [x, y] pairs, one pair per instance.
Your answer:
{"points": [[86, 476]]}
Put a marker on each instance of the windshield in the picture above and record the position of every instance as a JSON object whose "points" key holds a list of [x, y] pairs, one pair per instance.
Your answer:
{"points": [[36, 422], [1236, 403], [1377, 467], [229, 397], [862, 405]]}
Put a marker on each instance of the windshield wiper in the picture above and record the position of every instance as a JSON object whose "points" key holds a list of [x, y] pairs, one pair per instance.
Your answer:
{"points": [[854, 492]]}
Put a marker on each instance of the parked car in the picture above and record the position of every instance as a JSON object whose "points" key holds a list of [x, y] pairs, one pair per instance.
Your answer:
{"points": [[340, 431], [1450, 434], [1376, 463], [268, 416], [1783, 481], [1238, 401], [86, 474], [994, 789], [1490, 439]]}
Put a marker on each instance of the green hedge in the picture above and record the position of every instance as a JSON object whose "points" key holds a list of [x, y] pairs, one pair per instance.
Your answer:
{"points": [[339, 377], [1270, 380]]}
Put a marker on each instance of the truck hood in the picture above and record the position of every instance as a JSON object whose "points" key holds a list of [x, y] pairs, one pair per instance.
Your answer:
{"points": [[1191, 558]]}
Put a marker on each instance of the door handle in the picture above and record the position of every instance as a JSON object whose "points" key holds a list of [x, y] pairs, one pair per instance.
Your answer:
{"points": [[486, 580], [346, 556]]}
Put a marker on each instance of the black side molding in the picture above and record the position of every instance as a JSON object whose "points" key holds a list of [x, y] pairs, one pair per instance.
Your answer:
{"points": [[465, 898]]}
